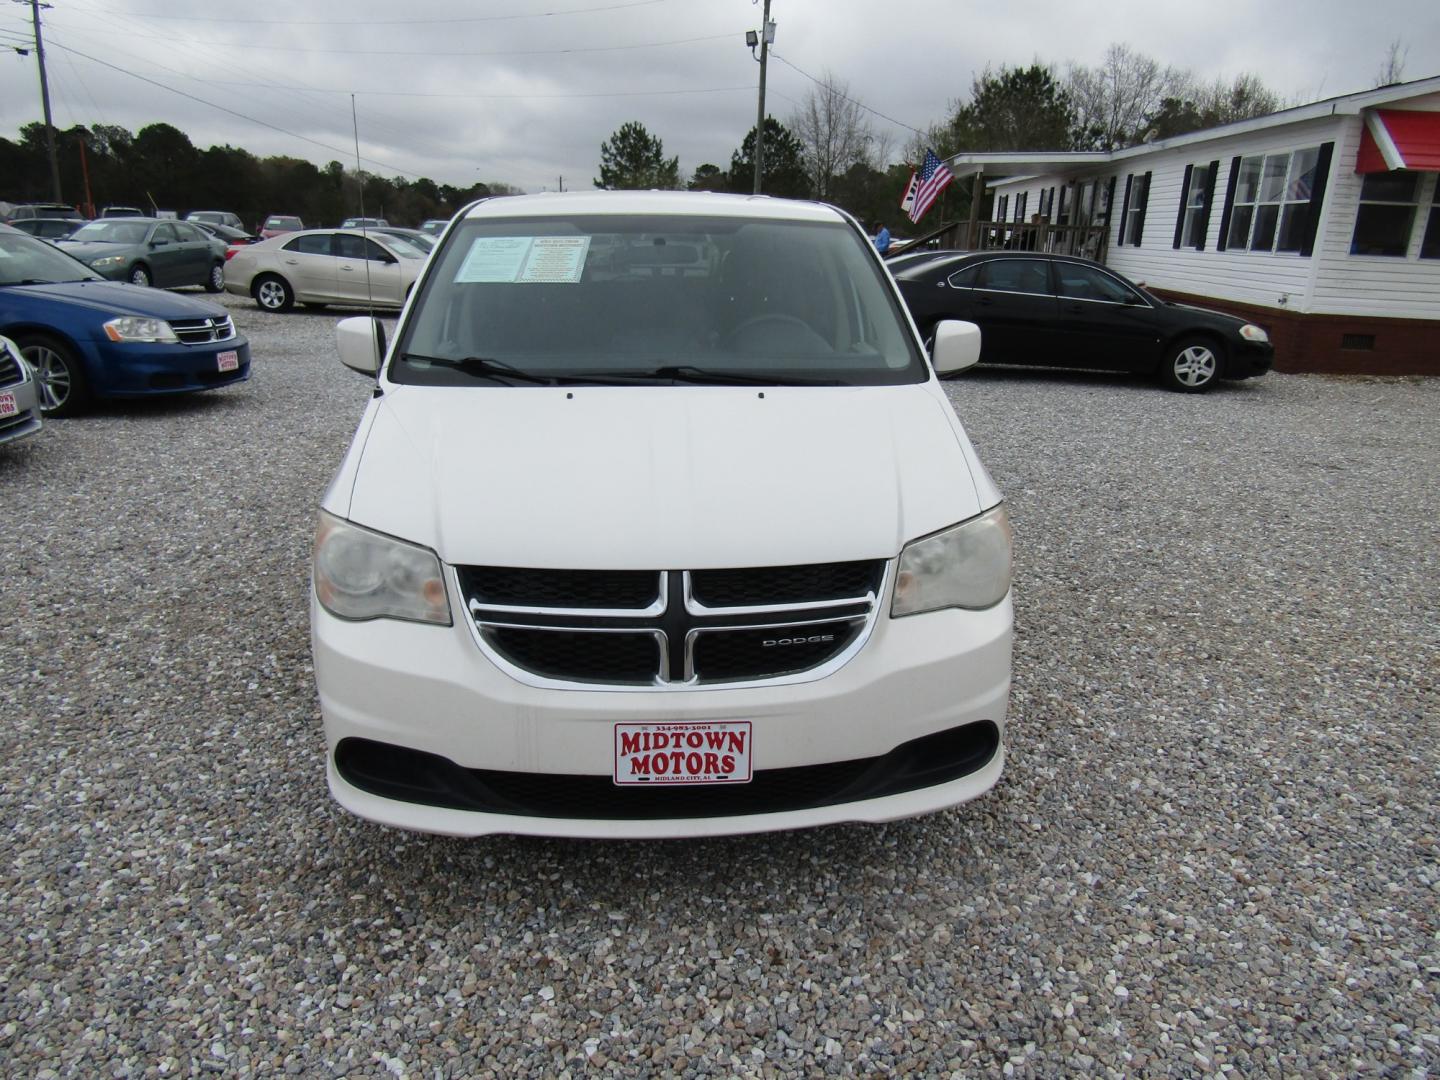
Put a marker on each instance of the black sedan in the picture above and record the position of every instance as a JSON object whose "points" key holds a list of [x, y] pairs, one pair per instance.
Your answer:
{"points": [[1056, 311]]}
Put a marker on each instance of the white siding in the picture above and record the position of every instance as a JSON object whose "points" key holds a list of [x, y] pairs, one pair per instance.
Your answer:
{"points": [[1345, 284], [1331, 281]]}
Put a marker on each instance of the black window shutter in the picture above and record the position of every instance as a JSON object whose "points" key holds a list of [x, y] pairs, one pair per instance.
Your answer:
{"points": [[1184, 205], [1142, 203], [1209, 202], [1125, 209], [1225, 215], [1317, 197]]}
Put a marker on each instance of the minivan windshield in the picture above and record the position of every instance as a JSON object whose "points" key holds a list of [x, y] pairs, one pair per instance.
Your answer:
{"points": [[655, 298]]}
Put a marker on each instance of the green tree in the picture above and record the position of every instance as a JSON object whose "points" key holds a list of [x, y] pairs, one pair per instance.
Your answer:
{"points": [[1014, 109], [709, 177], [785, 173], [633, 158]]}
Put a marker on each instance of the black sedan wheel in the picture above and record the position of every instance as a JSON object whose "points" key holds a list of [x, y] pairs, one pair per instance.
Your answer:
{"points": [[139, 274], [216, 281], [1192, 365], [273, 293], [58, 374]]}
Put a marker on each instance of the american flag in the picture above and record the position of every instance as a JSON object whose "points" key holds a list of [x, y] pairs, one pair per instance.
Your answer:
{"points": [[934, 178]]}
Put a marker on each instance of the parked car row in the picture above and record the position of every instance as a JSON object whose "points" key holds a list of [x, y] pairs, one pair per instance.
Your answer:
{"points": [[87, 337]]}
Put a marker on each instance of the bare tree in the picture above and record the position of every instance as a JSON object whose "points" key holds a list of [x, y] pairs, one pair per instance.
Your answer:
{"points": [[832, 127], [1113, 99], [1393, 69]]}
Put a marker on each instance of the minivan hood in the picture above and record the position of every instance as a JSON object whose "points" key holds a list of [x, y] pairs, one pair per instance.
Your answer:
{"points": [[661, 477]]}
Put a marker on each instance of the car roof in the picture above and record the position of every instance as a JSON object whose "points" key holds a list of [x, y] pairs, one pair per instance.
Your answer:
{"points": [[679, 203]]}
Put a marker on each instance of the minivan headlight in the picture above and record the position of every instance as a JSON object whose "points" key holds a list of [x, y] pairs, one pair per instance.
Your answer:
{"points": [[361, 574], [964, 566], [138, 328]]}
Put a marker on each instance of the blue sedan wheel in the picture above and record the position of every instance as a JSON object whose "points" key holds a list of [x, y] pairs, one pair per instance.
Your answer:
{"points": [[58, 374]]}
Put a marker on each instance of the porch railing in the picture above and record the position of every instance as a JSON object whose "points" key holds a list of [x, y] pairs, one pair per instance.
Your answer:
{"points": [[1038, 234]]}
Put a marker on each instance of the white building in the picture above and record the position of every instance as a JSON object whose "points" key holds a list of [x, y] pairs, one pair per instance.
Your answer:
{"points": [[1320, 222]]}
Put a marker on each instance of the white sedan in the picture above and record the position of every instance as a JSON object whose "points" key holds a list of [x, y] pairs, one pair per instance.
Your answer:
{"points": [[325, 266]]}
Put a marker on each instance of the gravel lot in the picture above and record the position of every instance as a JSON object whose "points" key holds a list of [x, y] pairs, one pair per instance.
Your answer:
{"points": [[1216, 848]]}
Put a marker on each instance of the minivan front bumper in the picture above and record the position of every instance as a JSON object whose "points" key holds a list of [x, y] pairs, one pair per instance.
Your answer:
{"points": [[422, 728]]}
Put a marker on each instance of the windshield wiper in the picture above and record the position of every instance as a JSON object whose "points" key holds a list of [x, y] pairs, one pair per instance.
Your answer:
{"points": [[32, 281], [689, 373], [486, 367]]}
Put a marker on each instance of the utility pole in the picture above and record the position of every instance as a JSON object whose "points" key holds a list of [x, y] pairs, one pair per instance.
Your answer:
{"points": [[767, 35], [45, 101]]}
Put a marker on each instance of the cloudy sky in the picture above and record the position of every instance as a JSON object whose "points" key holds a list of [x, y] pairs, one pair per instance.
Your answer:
{"points": [[524, 91]]}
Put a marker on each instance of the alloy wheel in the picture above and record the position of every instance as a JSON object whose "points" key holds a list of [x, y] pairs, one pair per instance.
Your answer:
{"points": [[52, 377], [1195, 366]]}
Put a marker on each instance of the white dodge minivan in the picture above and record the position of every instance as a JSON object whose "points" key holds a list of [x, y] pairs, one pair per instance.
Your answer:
{"points": [[659, 524]]}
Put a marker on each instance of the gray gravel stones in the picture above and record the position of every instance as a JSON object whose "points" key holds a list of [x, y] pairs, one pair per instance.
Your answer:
{"points": [[1215, 849]]}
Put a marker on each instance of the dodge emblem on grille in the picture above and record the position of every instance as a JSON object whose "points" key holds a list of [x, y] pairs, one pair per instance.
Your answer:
{"points": [[813, 639]]}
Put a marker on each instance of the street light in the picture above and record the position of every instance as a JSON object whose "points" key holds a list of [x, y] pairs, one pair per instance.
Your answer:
{"points": [[765, 37]]}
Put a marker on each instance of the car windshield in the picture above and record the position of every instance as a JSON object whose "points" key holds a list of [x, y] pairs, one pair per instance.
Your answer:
{"points": [[283, 223], [662, 297], [111, 232], [411, 247], [27, 261]]}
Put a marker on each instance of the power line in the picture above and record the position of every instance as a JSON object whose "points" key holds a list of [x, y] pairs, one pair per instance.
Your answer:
{"points": [[440, 52], [233, 112], [861, 104], [390, 22]]}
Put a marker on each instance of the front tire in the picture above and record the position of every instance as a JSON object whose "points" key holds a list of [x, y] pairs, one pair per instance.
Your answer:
{"points": [[273, 293], [216, 281], [140, 275], [1192, 365], [59, 375]]}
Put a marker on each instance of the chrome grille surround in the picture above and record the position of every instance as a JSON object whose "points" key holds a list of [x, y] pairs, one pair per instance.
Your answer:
{"points": [[678, 622], [203, 331]]}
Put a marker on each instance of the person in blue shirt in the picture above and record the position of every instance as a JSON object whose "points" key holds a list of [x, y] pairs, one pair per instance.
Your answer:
{"points": [[881, 237]]}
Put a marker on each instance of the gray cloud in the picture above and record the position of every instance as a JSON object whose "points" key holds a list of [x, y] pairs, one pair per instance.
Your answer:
{"points": [[541, 94]]}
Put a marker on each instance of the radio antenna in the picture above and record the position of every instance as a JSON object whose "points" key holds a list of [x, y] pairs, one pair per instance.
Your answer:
{"points": [[364, 234]]}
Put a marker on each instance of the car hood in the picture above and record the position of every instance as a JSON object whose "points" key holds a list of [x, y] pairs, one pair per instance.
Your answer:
{"points": [[87, 250], [1219, 318], [661, 477], [118, 298]]}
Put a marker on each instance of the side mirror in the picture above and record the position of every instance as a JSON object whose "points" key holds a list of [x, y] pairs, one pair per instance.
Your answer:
{"points": [[361, 342], [956, 347]]}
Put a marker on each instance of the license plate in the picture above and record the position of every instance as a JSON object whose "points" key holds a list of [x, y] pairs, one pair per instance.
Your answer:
{"points": [[683, 753], [229, 360], [8, 405]]}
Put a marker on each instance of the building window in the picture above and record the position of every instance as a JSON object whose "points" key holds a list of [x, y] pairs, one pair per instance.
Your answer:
{"points": [[1001, 214], [1133, 224], [1386, 216], [1430, 246], [1192, 234], [1272, 201]]}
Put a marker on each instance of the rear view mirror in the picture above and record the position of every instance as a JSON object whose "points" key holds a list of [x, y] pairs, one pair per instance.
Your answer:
{"points": [[956, 346], [361, 342]]}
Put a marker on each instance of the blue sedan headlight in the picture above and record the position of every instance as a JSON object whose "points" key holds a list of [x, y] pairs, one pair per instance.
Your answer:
{"points": [[138, 328]]}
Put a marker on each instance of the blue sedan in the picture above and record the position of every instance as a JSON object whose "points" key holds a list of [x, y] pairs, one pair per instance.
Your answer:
{"points": [[86, 337]]}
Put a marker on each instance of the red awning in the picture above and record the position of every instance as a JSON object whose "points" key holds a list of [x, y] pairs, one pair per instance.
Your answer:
{"points": [[1399, 139]]}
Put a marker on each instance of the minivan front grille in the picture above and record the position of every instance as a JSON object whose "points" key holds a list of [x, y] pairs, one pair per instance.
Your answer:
{"points": [[633, 629], [201, 331]]}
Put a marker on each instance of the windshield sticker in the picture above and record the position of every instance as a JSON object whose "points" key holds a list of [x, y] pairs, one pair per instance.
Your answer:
{"points": [[525, 258], [556, 258]]}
